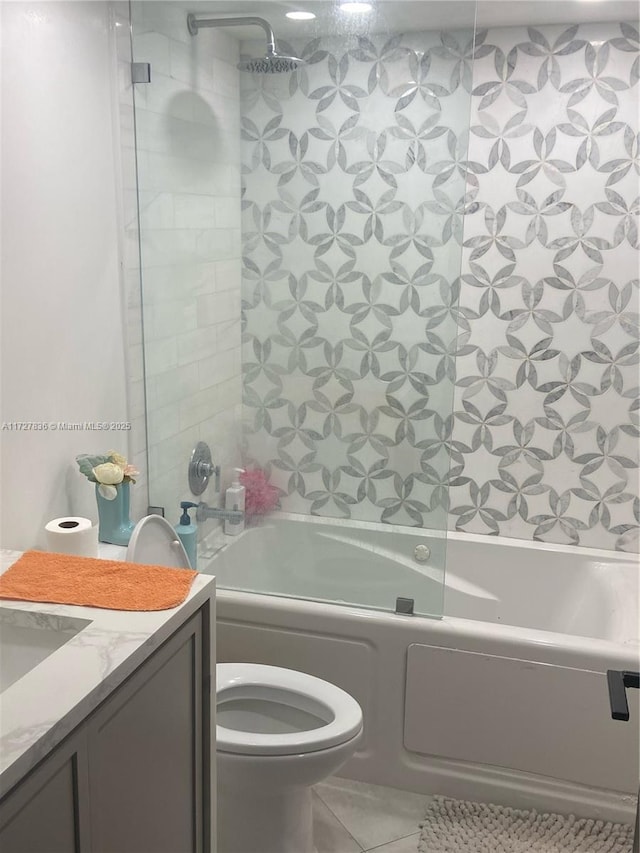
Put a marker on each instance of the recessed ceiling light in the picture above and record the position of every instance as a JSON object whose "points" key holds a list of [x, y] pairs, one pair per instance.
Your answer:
{"points": [[300, 16], [355, 8]]}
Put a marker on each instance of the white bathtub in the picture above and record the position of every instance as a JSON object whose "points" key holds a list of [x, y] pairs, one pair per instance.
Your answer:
{"points": [[504, 699]]}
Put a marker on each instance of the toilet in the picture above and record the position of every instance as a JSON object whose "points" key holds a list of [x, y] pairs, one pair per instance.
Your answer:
{"points": [[278, 732]]}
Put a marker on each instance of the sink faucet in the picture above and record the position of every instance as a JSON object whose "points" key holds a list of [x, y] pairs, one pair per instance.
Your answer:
{"points": [[205, 511]]}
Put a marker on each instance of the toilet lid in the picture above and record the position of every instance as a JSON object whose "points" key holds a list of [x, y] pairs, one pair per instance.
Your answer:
{"points": [[155, 543], [337, 716]]}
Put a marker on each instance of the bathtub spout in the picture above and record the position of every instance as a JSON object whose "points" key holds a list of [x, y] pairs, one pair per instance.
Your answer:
{"points": [[204, 511]]}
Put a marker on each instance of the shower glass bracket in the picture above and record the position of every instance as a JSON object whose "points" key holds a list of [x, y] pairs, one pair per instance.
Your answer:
{"points": [[404, 606], [141, 72]]}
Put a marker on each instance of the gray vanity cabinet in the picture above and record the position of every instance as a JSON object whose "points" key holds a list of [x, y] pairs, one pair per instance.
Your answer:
{"points": [[49, 811], [135, 777], [145, 756]]}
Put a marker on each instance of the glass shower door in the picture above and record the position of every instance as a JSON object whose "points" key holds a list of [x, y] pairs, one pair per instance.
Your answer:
{"points": [[349, 173]]}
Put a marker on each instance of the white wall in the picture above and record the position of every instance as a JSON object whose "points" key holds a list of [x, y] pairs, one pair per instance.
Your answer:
{"points": [[62, 333]]}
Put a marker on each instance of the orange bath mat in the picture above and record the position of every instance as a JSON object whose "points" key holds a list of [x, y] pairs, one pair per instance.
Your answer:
{"points": [[112, 584]]}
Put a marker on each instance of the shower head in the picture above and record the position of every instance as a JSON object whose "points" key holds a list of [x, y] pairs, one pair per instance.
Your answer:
{"points": [[272, 63]]}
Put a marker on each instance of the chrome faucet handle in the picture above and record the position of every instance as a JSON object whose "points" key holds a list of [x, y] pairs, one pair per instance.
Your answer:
{"points": [[201, 469]]}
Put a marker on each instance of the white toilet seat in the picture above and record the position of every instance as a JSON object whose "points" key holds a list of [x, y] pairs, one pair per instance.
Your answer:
{"points": [[340, 716], [156, 543]]}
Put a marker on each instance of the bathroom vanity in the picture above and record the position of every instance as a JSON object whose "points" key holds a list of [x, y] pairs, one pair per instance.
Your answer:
{"points": [[105, 742]]}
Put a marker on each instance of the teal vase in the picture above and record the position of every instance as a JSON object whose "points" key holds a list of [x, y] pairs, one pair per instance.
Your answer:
{"points": [[114, 524]]}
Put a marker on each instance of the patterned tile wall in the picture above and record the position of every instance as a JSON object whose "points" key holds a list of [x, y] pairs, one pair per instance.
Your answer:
{"points": [[355, 216], [545, 440]]}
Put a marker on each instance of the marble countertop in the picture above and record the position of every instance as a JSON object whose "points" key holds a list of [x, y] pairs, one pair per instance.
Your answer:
{"points": [[46, 704]]}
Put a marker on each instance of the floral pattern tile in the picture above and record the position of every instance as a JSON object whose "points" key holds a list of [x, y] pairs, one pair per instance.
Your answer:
{"points": [[440, 287]]}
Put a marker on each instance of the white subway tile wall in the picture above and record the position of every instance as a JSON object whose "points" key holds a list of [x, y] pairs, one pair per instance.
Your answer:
{"points": [[188, 128]]}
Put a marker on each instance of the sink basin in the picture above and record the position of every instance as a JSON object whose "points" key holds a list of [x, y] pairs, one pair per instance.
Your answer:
{"points": [[27, 638]]}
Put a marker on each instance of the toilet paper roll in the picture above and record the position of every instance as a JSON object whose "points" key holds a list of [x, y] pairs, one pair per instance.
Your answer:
{"points": [[72, 535]]}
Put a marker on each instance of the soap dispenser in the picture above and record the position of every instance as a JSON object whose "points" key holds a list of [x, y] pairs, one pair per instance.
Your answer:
{"points": [[188, 532], [234, 498]]}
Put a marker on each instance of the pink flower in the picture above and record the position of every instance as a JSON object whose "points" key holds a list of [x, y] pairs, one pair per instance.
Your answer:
{"points": [[260, 496]]}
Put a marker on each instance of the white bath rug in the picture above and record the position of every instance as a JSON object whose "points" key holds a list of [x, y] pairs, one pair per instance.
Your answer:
{"points": [[455, 825]]}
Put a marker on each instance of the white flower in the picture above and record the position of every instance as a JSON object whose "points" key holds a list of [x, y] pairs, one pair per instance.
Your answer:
{"points": [[108, 473]]}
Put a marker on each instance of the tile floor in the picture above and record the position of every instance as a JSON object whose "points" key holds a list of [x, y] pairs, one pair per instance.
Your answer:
{"points": [[352, 817]]}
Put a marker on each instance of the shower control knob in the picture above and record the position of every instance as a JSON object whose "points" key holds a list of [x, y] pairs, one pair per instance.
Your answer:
{"points": [[201, 469], [421, 553]]}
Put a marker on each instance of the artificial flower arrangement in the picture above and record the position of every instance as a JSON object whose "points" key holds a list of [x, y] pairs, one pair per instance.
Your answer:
{"points": [[260, 496], [107, 471]]}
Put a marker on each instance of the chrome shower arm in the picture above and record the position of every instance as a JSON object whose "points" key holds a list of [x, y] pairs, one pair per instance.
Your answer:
{"points": [[194, 25]]}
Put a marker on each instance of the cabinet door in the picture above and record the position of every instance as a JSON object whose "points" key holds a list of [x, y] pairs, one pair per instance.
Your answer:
{"points": [[147, 758], [48, 812]]}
